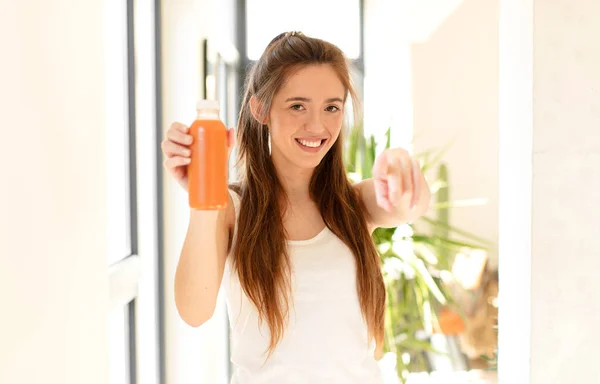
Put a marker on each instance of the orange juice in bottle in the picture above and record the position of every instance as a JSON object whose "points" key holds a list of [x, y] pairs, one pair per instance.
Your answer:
{"points": [[208, 168]]}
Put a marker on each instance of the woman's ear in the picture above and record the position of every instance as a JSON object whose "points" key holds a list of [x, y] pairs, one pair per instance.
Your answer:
{"points": [[257, 112]]}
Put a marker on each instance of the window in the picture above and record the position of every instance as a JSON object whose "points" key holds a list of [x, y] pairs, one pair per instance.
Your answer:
{"points": [[133, 180], [221, 61], [221, 64], [119, 346], [118, 137], [337, 21], [340, 22]]}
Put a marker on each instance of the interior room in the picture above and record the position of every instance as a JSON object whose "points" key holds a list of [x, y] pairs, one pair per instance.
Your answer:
{"points": [[497, 100]]}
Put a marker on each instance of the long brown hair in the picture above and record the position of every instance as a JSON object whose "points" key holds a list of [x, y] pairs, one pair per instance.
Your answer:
{"points": [[260, 255]]}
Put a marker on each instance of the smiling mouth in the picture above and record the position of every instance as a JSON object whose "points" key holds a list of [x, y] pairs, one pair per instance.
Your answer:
{"points": [[311, 143]]}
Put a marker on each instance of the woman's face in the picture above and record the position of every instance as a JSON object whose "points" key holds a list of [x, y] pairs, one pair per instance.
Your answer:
{"points": [[306, 116]]}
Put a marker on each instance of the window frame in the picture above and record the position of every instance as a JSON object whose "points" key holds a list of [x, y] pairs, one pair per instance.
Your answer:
{"points": [[136, 282]]}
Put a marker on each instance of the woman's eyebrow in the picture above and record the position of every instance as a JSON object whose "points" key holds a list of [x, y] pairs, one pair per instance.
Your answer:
{"points": [[308, 100]]}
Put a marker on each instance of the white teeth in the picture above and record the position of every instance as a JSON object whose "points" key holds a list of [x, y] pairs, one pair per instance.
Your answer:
{"points": [[312, 144]]}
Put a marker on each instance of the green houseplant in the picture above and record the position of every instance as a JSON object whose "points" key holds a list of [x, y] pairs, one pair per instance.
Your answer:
{"points": [[415, 258]]}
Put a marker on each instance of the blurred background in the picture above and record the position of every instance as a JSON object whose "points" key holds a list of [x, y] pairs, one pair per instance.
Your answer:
{"points": [[498, 99]]}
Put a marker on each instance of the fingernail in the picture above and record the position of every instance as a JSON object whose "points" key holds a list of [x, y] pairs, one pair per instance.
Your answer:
{"points": [[187, 152]]}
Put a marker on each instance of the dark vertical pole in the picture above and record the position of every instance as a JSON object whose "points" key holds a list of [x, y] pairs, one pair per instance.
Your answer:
{"points": [[361, 67], [205, 64], [160, 252], [131, 335], [133, 225], [361, 46], [242, 47], [241, 67]]}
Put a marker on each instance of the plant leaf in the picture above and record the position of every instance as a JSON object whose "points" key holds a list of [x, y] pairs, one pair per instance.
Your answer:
{"points": [[369, 158], [436, 185], [417, 345], [388, 138], [437, 241], [437, 223], [427, 279], [353, 149], [431, 163]]}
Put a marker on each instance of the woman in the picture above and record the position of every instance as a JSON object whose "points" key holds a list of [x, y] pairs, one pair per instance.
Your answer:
{"points": [[293, 249]]}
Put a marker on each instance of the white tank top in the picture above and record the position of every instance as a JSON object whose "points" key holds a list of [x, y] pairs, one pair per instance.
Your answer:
{"points": [[326, 338]]}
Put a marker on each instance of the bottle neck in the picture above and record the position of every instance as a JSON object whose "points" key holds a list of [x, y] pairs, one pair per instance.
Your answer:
{"points": [[208, 114]]}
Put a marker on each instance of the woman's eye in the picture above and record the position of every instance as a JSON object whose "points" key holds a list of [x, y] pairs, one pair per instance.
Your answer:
{"points": [[332, 108], [297, 107]]}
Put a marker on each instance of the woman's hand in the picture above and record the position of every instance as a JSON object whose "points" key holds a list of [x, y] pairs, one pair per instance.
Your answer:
{"points": [[399, 183], [177, 153]]}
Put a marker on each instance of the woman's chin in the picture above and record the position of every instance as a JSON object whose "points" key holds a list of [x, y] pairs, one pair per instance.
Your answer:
{"points": [[309, 162]]}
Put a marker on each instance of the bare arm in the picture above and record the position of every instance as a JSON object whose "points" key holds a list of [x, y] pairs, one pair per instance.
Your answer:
{"points": [[202, 262], [398, 193]]}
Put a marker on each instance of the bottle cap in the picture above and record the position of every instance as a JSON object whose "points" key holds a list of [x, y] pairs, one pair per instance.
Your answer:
{"points": [[207, 104]]}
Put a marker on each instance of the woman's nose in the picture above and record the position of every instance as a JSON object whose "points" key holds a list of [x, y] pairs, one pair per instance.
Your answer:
{"points": [[314, 123]]}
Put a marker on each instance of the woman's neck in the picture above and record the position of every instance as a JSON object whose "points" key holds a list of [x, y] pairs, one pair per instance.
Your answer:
{"points": [[294, 180]]}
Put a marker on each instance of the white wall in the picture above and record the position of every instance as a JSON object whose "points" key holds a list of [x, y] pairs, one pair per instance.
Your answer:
{"points": [[515, 125], [551, 267], [455, 100], [181, 67], [53, 263], [565, 310], [390, 29]]}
